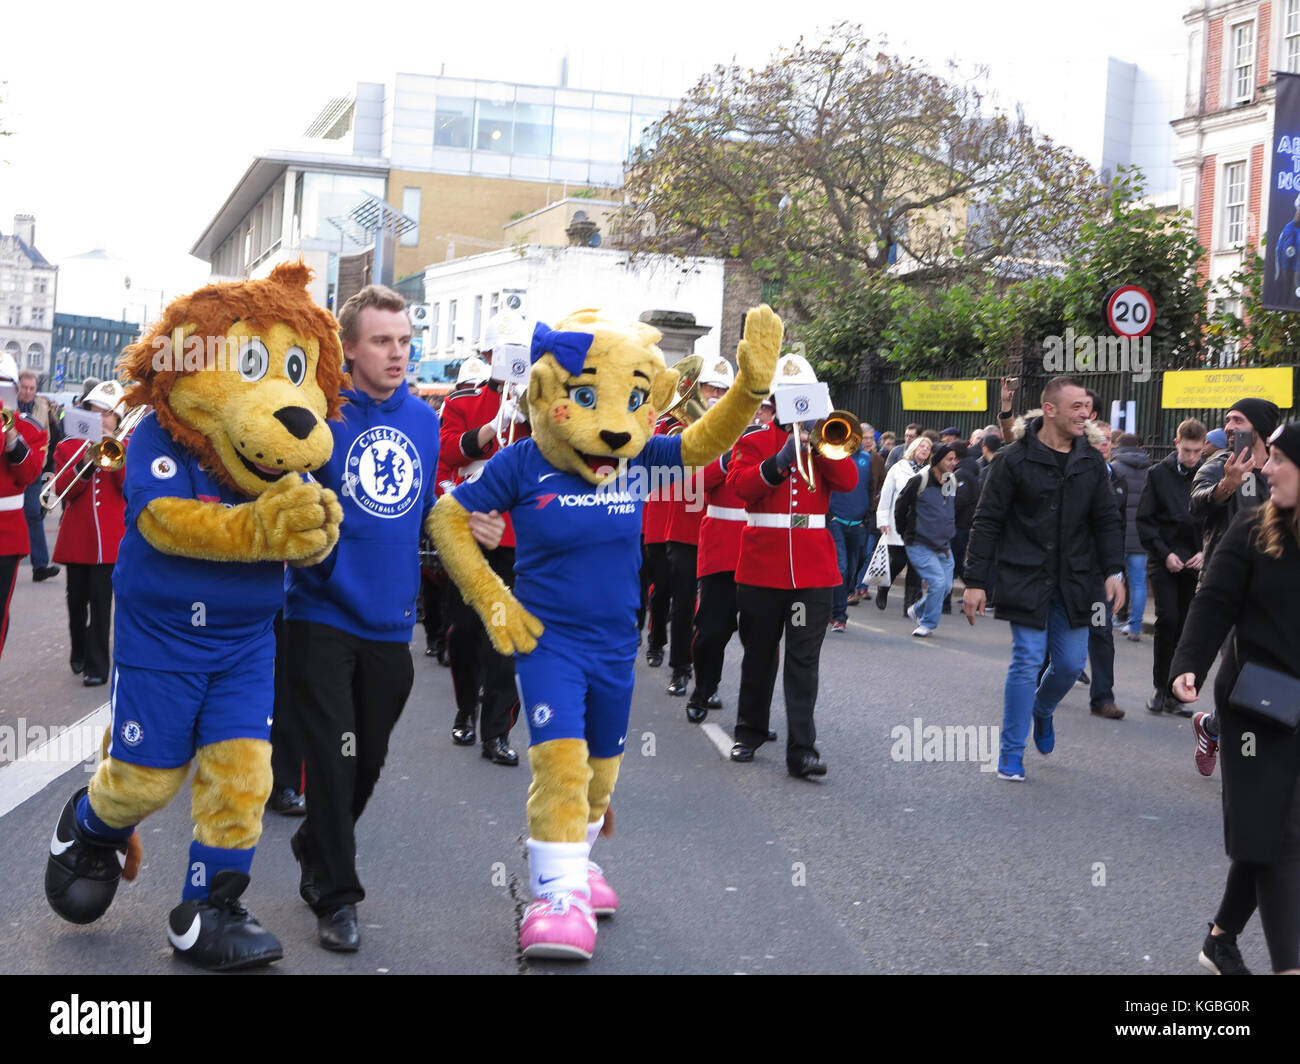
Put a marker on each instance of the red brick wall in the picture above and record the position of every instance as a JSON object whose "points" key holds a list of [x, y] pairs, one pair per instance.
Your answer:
{"points": [[1255, 204], [1263, 49], [1205, 210], [1213, 64]]}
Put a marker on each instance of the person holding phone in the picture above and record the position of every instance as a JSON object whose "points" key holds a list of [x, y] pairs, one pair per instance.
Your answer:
{"points": [[1253, 587], [1230, 483]]}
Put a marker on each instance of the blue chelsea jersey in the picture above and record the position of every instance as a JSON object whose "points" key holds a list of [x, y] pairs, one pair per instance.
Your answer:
{"points": [[182, 614], [578, 547]]}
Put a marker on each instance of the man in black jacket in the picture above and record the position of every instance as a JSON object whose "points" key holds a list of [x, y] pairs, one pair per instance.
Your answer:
{"points": [[1046, 502], [1174, 556]]}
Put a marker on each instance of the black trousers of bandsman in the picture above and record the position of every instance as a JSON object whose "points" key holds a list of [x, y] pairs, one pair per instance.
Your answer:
{"points": [[766, 614], [475, 664], [681, 575], [656, 579], [715, 624]]}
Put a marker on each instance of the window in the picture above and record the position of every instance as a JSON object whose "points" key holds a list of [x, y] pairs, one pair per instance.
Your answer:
{"points": [[453, 117], [435, 314], [1291, 37], [451, 324], [494, 305], [495, 119], [1227, 354], [478, 318], [1243, 62], [38, 316], [411, 208], [1234, 203]]}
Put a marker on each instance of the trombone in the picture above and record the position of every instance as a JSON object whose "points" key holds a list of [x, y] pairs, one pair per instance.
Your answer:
{"points": [[835, 436], [6, 421], [109, 454]]}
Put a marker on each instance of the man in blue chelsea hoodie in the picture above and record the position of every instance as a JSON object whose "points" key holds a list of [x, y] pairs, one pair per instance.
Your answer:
{"points": [[349, 619]]}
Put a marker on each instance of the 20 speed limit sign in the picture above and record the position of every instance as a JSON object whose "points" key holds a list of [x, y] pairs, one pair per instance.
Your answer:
{"points": [[1130, 310]]}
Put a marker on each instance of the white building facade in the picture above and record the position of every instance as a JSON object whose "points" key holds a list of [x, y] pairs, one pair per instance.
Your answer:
{"points": [[28, 284]]}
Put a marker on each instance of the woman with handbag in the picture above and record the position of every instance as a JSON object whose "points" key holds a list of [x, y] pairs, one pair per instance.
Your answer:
{"points": [[1253, 584], [915, 458]]}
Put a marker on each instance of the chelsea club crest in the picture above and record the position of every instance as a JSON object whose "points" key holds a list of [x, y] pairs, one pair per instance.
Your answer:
{"points": [[383, 473]]}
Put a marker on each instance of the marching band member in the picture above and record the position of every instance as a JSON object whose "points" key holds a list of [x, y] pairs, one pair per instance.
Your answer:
{"points": [[471, 419], [93, 524], [785, 578], [656, 580], [684, 522], [22, 456]]}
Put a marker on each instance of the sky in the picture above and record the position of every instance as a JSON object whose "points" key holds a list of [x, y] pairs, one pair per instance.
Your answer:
{"points": [[132, 122]]}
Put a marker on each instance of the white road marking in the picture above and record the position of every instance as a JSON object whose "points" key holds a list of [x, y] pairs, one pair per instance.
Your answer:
{"points": [[718, 738], [38, 768]]}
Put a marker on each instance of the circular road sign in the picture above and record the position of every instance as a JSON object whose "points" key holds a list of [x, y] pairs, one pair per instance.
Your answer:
{"points": [[1130, 310]]}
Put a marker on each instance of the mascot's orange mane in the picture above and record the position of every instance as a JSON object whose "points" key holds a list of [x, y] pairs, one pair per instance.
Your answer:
{"points": [[281, 297]]}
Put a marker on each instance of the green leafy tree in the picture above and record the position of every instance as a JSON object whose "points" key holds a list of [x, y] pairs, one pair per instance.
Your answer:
{"points": [[817, 168], [1241, 330]]}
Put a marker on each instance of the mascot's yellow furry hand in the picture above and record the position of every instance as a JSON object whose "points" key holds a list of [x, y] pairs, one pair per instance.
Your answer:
{"points": [[512, 629], [756, 357], [290, 521]]}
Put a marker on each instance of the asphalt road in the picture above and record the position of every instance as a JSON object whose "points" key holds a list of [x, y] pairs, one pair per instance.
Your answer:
{"points": [[1108, 859]]}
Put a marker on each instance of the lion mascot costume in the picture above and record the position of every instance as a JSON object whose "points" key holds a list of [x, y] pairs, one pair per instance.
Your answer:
{"points": [[574, 492], [241, 378]]}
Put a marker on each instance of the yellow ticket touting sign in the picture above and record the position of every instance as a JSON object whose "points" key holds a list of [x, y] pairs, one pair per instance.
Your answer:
{"points": [[1218, 389], [945, 395]]}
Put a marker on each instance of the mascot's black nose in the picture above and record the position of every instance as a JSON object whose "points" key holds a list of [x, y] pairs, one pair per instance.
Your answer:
{"points": [[615, 440], [297, 420]]}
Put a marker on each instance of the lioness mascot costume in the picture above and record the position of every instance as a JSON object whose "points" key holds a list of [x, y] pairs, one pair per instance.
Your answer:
{"points": [[241, 378], [574, 492]]}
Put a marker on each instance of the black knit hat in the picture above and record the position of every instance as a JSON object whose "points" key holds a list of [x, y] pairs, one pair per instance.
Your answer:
{"points": [[1286, 438], [1263, 415], [938, 451]]}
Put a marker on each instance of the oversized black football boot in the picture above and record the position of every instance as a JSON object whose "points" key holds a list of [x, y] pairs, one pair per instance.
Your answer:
{"points": [[81, 874], [217, 932]]}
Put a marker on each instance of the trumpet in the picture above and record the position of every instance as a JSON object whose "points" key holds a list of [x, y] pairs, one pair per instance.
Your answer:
{"points": [[108, 455], [835, 436], [688, 407], [6, 421]]}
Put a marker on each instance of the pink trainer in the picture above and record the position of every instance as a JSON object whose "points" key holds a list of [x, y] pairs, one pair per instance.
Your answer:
{"points": [[560, 928], [604, 902]]}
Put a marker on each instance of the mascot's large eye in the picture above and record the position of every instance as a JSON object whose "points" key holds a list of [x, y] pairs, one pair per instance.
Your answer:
{"points": [[253, 360], [295, 365], [635, 400], [584, 396]]}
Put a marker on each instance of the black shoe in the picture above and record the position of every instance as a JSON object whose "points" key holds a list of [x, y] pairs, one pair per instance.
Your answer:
{"points": [[307, 888], [654, 657], [713, 701], [696, 709], [93, 681], [81, 874], [217, 932], [741, 752], [45, 572], [1083, 679], [443, 659], [771, 735], [1172, 705], [287, 802], [462, 732], [498, 751], [1220, 955], [677, 686], [77, 665], [808, 765], [1156, 703], [882, 598], [338, 930]]}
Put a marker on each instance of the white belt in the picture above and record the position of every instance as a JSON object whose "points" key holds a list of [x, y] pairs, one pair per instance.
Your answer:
{"points": [[787, 520], [11, 502], [726, 513]]}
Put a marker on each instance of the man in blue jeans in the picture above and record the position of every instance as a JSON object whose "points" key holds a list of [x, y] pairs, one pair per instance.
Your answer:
{"points": [[851, 514], [1046, 506], [926, 516]]}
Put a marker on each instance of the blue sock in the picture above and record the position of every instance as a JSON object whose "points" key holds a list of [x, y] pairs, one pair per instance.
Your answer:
{"points": [[207, 861], [96, 828]]}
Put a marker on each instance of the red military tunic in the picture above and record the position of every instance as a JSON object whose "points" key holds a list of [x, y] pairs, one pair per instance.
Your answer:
{"points": [[14, 479], [464, 412], [658, 509], [723, 522], [94, 519], [786, 543]]}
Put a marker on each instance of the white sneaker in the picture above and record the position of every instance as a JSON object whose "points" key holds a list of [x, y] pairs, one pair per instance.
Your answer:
{"points": [[912, 612], [921, 631]]}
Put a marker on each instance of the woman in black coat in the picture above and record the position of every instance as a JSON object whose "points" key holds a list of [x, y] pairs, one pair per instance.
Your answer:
{"points": [[1253, 584]]}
